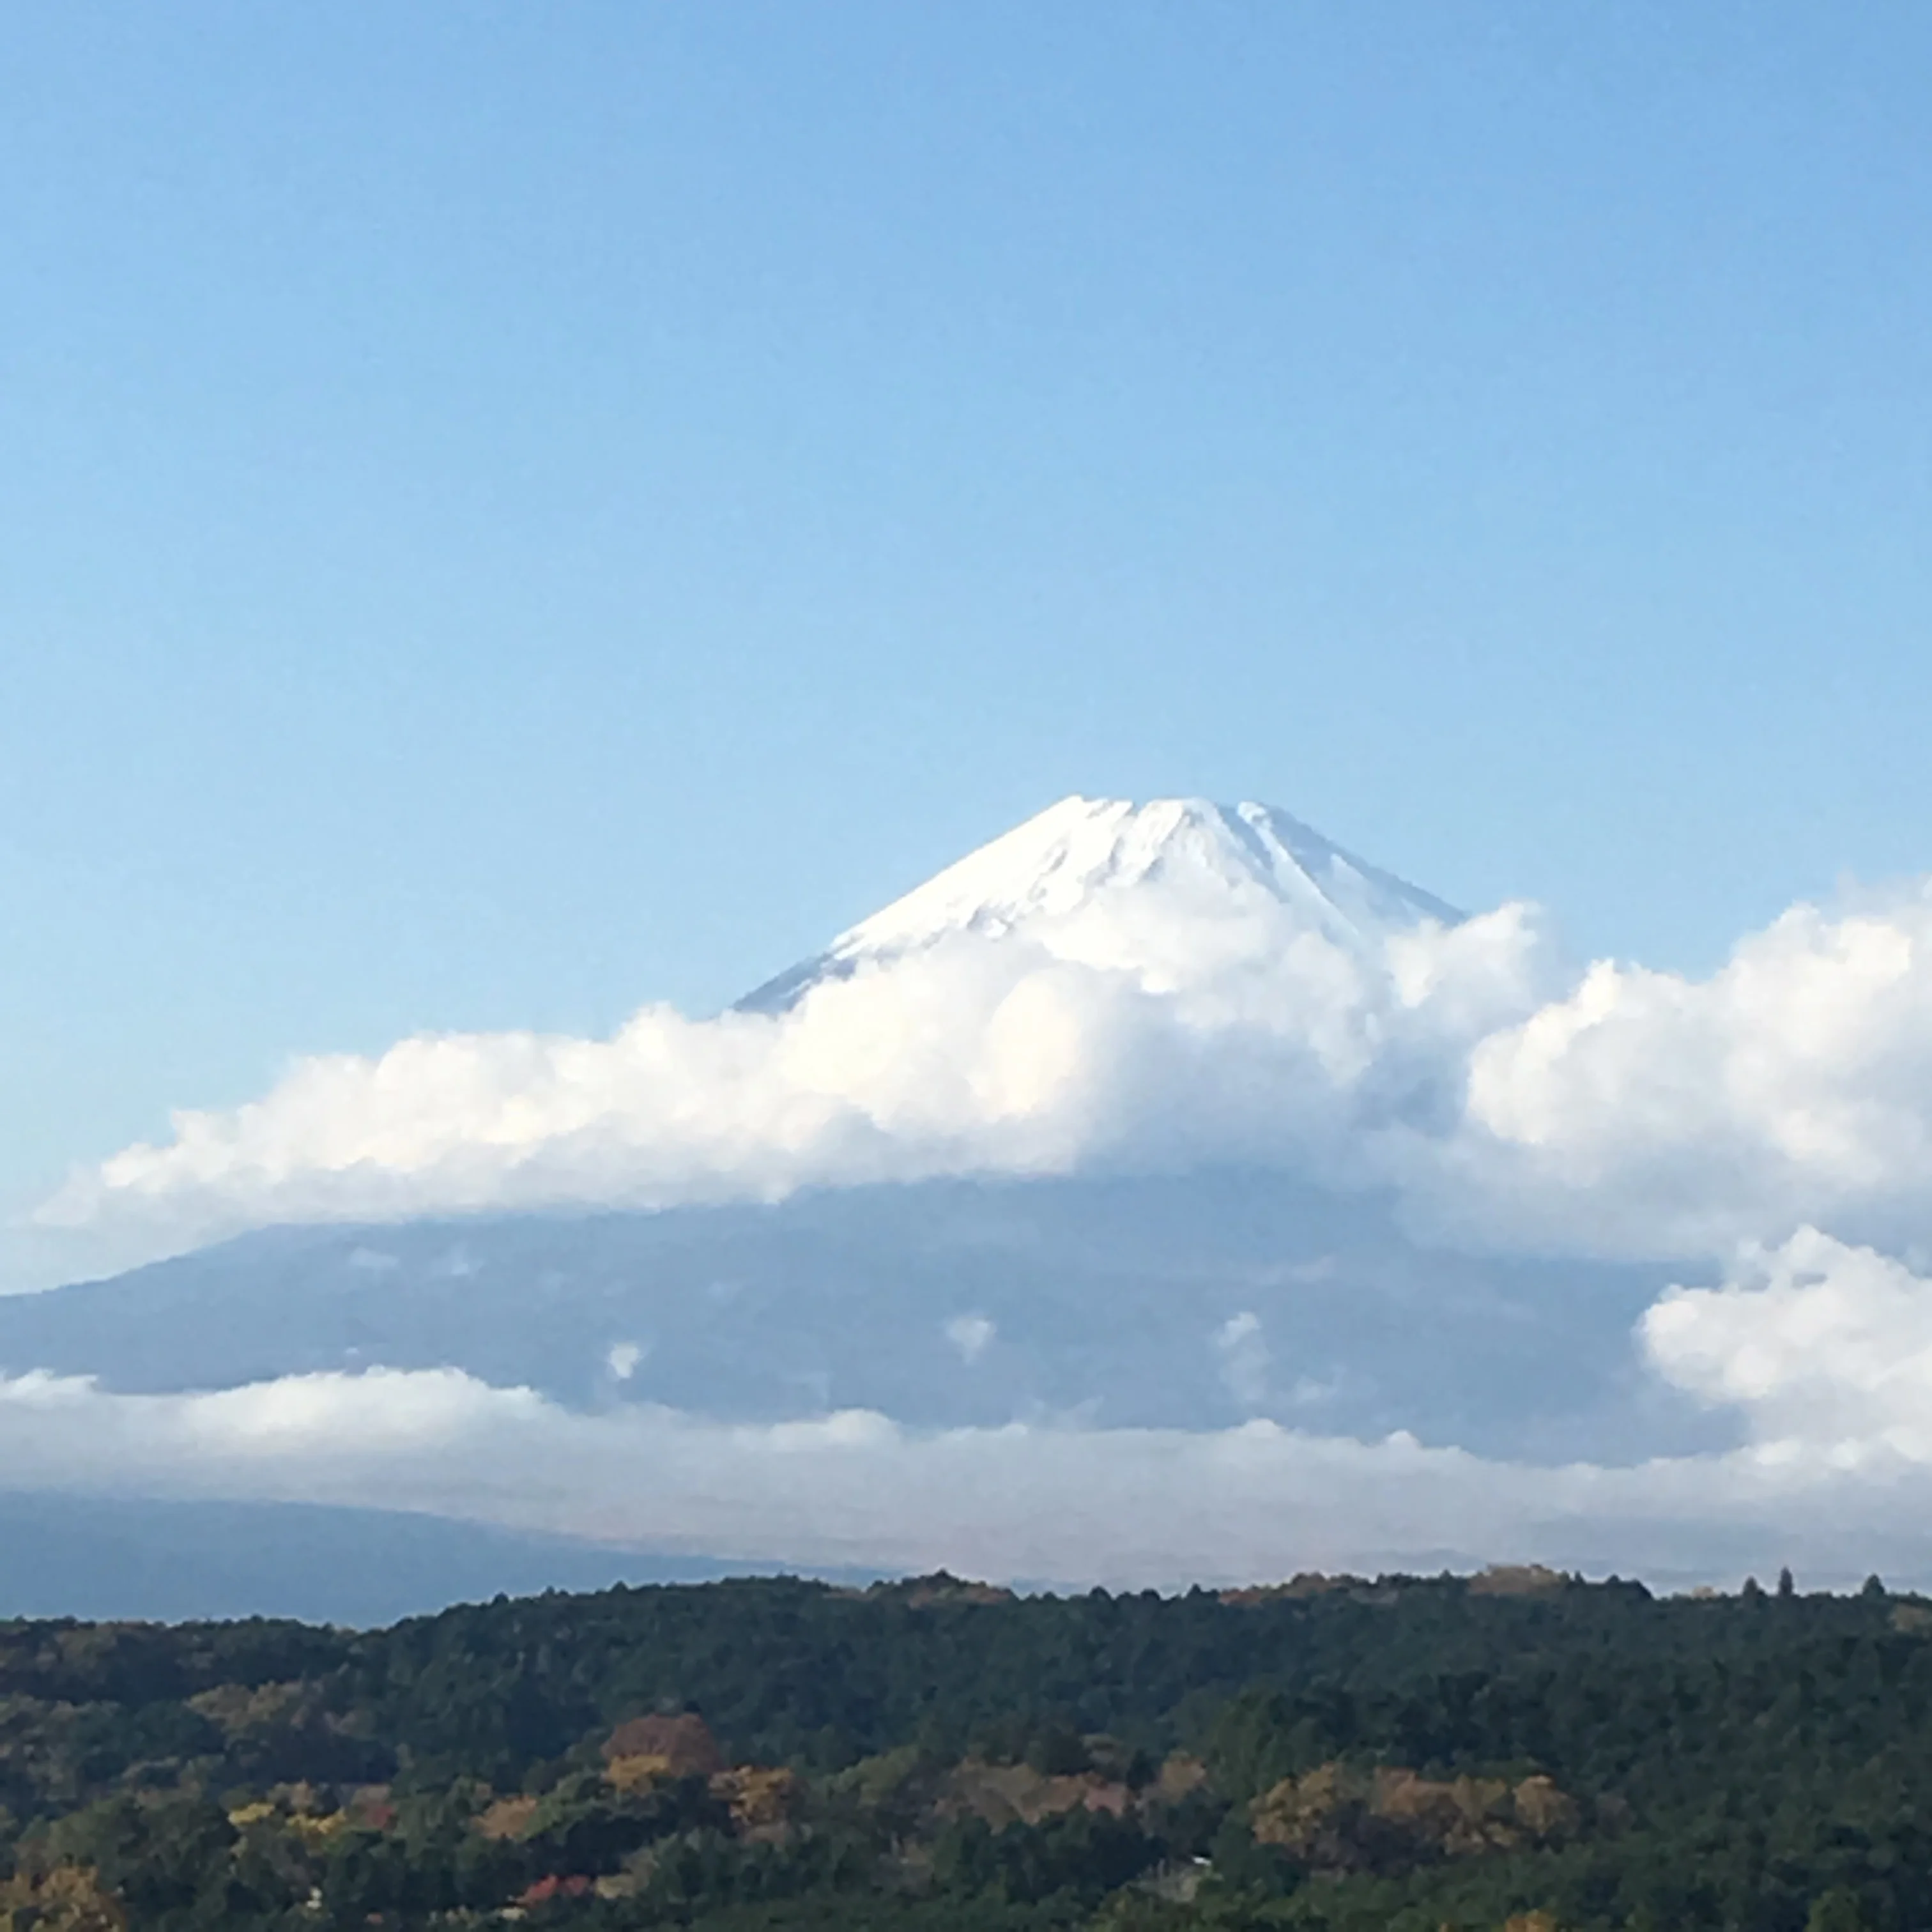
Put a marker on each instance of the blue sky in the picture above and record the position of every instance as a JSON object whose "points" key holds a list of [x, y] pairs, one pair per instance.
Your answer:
{"points": [[505, 513]]}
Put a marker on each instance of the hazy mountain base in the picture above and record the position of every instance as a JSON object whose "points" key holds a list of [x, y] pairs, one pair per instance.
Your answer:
{"points": [[1518, 1749], [126, 1559], [1189, 1301], [122, 1559]]}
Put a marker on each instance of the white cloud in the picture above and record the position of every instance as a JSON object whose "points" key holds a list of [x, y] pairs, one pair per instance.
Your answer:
{"points": [[966, 1056], [1121, 1507], [1646, 1112], [1827, 1348], [1620, 1112]]}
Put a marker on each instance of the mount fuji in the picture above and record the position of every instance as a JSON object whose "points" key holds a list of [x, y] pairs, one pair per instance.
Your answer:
{"points": [[1177, 1295]]}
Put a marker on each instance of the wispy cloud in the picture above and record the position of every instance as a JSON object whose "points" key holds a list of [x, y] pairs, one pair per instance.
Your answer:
{"points": [[970, 1336], [1244, 1357]]}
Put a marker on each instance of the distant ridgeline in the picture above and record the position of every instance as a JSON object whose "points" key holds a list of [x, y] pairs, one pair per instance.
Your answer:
{"points": [[1518, 1749]]}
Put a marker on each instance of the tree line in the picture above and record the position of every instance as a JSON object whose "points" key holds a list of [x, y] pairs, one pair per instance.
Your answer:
{"points": [[1520, 1749]]}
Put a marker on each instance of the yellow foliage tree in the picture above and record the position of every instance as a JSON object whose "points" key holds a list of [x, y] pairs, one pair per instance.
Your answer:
{"points": [[69, 1898]]}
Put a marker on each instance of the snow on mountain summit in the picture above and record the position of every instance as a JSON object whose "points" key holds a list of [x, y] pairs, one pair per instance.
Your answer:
{"points": [[1118, 883]]}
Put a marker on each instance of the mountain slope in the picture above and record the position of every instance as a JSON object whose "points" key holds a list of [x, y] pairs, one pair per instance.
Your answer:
{"points": [[1189, 1301]]}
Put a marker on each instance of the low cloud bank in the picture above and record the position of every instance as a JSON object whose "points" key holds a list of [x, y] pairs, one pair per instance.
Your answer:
{"points": [[1619, 1112], [1123, 1507]]}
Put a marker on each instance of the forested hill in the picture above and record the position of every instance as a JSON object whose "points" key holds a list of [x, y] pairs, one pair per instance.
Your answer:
{"points": [[1518, 1747]]}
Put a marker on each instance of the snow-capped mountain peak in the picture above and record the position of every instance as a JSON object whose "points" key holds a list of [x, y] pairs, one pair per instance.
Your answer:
{"points": [[1088, 864]]}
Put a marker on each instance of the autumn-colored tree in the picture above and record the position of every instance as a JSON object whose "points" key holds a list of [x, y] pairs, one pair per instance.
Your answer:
{"points": [[69, 1898]]}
